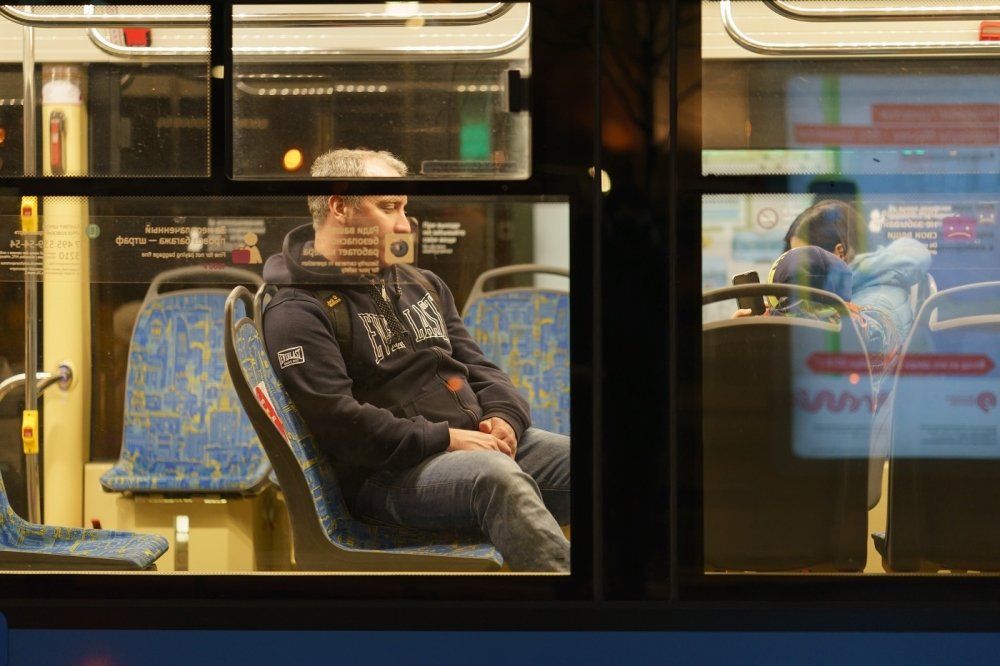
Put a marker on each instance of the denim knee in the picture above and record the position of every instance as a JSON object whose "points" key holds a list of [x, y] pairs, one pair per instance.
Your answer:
{"points": [[498, 473]]}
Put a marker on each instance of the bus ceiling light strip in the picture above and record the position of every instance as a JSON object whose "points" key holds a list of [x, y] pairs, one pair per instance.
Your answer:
{"points": [[93, 19], [799, 49], [350, 88], [890, 13], [311, 90]]}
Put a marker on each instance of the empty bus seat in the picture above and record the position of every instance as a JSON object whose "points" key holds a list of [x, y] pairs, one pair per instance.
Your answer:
{"points": [[25, 545], [525, 331], [186, 436], [325, 536], [944, 463], [786, 431]]}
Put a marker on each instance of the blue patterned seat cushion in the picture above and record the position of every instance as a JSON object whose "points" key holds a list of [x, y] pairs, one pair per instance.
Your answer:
{"points": [[340, 527], [45, 546], [526, 333], [185, 429]]}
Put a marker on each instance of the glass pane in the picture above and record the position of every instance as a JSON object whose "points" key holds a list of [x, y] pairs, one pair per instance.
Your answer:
{"points": [[108, 99], [861, 113], [862, 401], [444, 93], [108, 286]]}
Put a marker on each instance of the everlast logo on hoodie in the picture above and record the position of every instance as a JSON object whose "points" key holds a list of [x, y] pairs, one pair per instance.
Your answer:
{"points": [[423, 318], [379, 335], [429, 324]]}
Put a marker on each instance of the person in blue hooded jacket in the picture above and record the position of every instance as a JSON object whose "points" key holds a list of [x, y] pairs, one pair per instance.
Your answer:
{"points": [[422, 429], [812, 266], [882, 278]]}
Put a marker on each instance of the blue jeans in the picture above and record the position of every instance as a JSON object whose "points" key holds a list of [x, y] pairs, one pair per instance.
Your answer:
{"points": [[518, 504]]}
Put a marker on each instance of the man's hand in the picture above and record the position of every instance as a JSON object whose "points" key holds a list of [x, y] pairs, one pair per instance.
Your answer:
{"points": [[500, 429], [747, 312], [470, 440]]}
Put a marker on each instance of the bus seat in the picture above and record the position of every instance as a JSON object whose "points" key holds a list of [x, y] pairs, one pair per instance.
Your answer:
{"points": [[786, 434], [525, 331], [944, 461], [186, 436], [325, 537], [25, 545]]}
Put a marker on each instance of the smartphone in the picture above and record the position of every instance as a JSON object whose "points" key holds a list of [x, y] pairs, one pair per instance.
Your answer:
{"points": [[754, 303]]}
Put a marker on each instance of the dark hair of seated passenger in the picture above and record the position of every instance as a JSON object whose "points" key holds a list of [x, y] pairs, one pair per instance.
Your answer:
{"points": [[827, 224]]}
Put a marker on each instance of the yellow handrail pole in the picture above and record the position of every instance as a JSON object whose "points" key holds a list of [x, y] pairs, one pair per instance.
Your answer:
{"points": [[66, 303], [29, 418]]}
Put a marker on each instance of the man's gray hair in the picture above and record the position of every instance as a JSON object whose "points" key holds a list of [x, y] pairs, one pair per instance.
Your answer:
{"points": [[347, 163]]}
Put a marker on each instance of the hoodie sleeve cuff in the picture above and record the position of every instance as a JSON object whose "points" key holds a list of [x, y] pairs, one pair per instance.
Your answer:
{"points": [[437, 439]]}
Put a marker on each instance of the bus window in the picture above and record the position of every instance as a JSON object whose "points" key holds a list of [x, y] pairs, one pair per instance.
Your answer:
{"points": [[123, 245], [864, 406], [441, 86], [109, 103]]}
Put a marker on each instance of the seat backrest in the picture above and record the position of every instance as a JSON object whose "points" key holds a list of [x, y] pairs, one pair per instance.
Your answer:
{"points": [[185, 431], [305, 477], [786, 429], [525, 331], [944, 465], [324, 533]]}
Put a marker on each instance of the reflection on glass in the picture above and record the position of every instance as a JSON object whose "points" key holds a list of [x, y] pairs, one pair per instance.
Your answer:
{"points": [[894, 434], [151, 279], [440, 88], [113, 99], [862, 113], [903, 418]]}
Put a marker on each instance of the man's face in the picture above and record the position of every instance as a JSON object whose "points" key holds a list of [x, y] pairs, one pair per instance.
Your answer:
{"points": [[385, 216], [387, 213], [372, 234]]}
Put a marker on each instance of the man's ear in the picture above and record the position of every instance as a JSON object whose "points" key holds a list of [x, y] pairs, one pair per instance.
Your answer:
{"points": [[338, 208], [840, 251]]}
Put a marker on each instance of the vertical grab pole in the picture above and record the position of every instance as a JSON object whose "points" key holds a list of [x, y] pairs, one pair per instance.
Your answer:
{"points": [[28, 107], [29, 420], [29, 227]]}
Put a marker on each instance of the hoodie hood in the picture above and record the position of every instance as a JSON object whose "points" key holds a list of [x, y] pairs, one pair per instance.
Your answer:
{"points": [[902, 263], [812, 266]]}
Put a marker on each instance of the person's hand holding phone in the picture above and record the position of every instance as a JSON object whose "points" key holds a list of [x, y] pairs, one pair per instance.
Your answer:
{"points": [[748, 305]]}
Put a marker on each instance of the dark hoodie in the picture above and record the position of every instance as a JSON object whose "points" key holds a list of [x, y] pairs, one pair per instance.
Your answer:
{"points": [[389, 401], [809, 266]]}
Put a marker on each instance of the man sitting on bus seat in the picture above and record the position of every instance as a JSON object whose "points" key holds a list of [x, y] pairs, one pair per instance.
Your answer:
{"points": [[422, 429]]}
